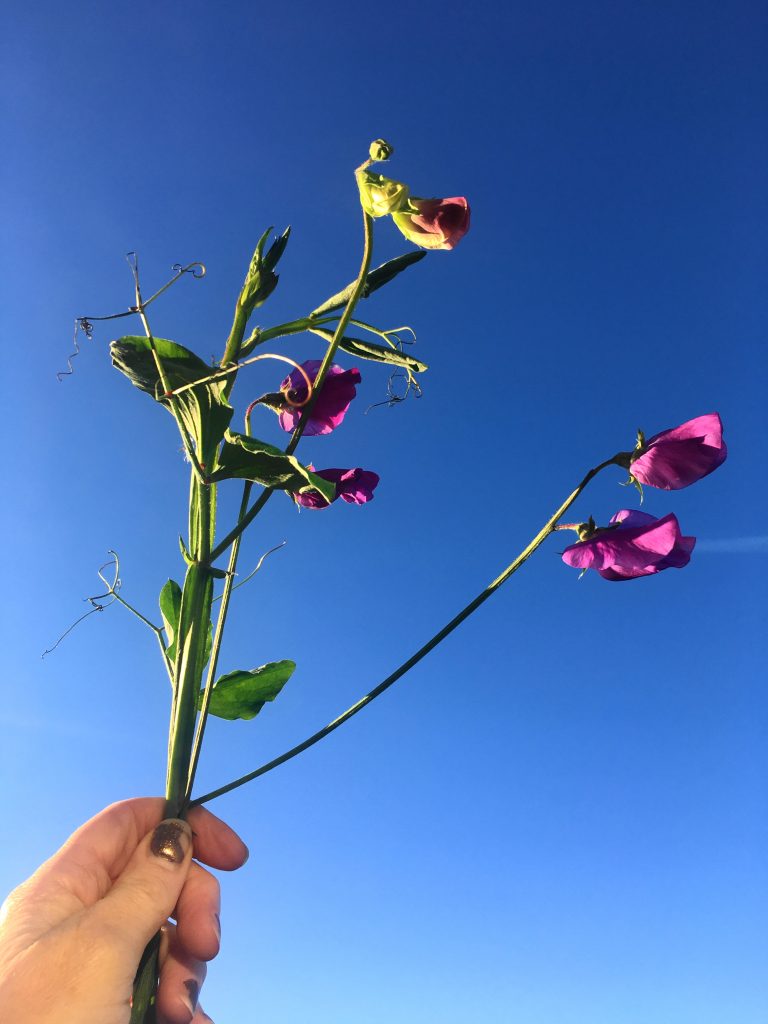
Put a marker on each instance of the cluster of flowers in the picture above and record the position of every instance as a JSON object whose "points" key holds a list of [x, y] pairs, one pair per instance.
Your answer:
{"points": [[635, 543], [355, 486]]}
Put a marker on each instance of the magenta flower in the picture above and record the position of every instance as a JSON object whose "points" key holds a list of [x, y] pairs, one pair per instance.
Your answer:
{"points": [[434, 223], [355, 486], [334, 399], [637, 544], [681, 456]]}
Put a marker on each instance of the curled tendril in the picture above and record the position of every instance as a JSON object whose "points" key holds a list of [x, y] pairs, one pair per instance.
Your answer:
{"points": [[220, 374], [85, 323], [393, 398], [197, 269], [95, 601]]}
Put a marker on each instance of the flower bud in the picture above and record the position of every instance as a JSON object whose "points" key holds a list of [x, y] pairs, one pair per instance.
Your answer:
{"points": [[380, 149], [379, 195], [261, 279]]}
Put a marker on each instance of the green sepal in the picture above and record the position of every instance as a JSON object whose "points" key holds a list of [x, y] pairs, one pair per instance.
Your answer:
{"points": [[204, 410], [185, 551], [376, 353], [243, 693], [170, 608], [247, 458], [376, 279]]}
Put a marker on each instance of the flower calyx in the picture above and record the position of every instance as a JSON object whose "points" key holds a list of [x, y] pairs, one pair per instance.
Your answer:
{"points": [[380, 195]]}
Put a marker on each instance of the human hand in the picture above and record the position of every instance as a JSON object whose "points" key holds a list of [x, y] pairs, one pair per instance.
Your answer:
{"points": [[72, 935]]}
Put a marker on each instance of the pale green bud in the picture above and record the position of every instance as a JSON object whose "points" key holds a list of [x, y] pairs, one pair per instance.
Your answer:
{"points": [[379, 195], [380, 150]]}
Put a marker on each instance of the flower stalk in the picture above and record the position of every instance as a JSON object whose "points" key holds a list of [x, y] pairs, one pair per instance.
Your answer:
{"points": [[549, 527]]}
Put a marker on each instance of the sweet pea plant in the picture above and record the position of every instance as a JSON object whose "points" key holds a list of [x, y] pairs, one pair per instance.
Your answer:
{"points": [[313, 399]]}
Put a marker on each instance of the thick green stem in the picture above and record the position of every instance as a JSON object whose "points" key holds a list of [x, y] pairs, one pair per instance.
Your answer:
{"points": [[217, 638], [194, 617], [422, 652]]}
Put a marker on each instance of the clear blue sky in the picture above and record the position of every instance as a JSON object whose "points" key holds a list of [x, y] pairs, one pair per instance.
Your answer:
{"points": [[561, 815]]}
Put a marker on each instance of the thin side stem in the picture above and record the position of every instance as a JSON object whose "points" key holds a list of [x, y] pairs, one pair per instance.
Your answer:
{"points": [[157, 630], [189, 447], [430, 645], [338, 334]]}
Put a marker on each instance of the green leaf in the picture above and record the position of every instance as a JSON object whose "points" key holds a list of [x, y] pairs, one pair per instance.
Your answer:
{"points": [[204, 410], [247, 458], [377, 353], [242, 694], [376, 278], [170, 607]]}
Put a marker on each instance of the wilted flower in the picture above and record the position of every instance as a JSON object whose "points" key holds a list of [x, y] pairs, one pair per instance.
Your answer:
{"points": [[355, 486], [434, 223], [335, 396], [636, 544], [379, 195], [681, 456]]}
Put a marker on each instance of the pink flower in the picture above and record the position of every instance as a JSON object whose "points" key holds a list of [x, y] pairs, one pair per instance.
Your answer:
{"points": [[331, 406], [681, 456], [637, 544], [434, 223], [355, 486]]}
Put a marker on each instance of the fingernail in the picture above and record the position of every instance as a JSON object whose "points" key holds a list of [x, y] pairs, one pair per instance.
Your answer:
{"points": [[193, 991], [171, 840], [217, 925]]}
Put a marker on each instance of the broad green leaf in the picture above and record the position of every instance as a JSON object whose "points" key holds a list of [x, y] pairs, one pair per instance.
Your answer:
{"points": [[204, 410], [377, 353], [376, 278], [242, 694], [170, 607], [247, 458]]}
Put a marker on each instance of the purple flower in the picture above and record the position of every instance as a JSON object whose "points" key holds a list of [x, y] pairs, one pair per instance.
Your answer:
{"points": [[355, 486], [638, 544], [681, 456], [334, 399]]}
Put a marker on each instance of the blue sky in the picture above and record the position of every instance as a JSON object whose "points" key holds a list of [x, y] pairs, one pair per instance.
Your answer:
{"points": [[560, 815]]}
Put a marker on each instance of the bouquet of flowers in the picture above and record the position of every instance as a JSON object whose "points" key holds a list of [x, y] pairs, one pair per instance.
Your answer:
{"points": [[223, 449]]}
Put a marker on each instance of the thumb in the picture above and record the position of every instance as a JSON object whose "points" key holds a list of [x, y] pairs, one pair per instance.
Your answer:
{"points": [[144, 894]]}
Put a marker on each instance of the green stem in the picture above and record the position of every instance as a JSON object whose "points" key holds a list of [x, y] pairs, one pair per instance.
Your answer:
{"points": [[338, 334], [193, 628], [305, 323], [430, 645], [216, 647]]}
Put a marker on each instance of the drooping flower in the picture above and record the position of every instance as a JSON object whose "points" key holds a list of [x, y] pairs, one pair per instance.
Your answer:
{"points": [[636, 544], [355, 486], [434, 223], [329, 410], [679, 457], [380, 195]]}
